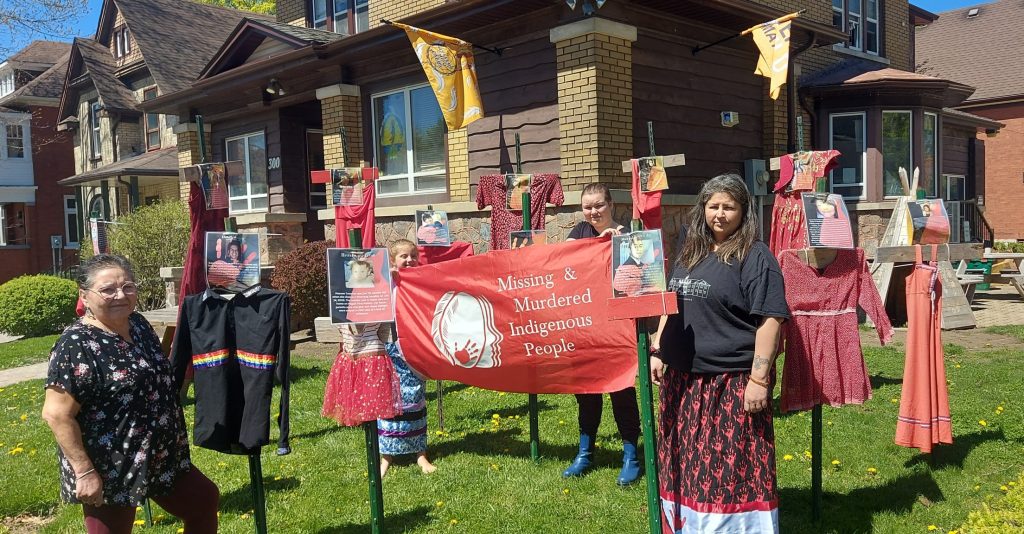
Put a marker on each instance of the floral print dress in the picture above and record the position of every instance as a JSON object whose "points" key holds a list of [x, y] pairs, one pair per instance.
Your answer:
{"points": [[132, 426]]}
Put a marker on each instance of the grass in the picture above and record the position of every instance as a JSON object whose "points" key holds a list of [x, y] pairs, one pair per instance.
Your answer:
{"points": [[1016, 331], [26, 351], [486, 483]]}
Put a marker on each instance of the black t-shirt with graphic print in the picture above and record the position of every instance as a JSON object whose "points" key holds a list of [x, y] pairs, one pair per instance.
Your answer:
{"points": [[721, 307]]}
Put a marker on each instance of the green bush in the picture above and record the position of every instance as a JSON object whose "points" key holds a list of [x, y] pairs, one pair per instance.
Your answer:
{"points": [[1009, 246], [151, 237], [999, 515], [37, 305], [302, 273]]}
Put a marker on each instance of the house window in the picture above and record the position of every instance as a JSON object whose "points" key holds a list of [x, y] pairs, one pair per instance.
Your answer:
{"points": [[341, 16], [860, 20], [847, 134], [930, 148], [15, 143], [3, 225], [70, 222], [248, 193], [122, 42], [94, 130], [409, 142], [152, 122], [896, 150], [7, 83]]}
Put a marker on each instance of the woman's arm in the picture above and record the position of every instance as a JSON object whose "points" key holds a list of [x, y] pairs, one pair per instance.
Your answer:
{"points": [[657, 364], [766, 340], [59, 411]]}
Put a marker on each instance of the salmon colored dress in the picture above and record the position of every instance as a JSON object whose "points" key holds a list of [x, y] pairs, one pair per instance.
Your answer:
{"points": [[924, 405]]}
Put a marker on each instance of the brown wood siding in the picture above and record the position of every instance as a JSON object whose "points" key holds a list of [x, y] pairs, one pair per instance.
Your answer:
{"points": [[520, 95], [684, 95], [954, 150]]}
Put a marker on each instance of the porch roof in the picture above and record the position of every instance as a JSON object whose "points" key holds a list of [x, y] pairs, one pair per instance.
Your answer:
{"points": [[968, 119], [859, 76], [158, 163]]}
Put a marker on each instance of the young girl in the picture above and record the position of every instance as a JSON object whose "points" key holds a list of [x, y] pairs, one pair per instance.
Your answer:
{"points": [[406, 434]]}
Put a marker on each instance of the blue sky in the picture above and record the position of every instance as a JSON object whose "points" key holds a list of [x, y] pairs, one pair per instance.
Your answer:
{"points": [[86, 23]]}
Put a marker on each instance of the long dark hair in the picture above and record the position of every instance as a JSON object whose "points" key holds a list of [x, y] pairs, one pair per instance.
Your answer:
{"points": [[700, 242]]}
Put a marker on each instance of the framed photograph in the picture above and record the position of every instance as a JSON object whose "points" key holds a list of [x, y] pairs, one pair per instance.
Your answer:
{"points": [[359, 286], [526, 238], [232, 261], [652, 174], [638, 264], [826, 220], [432, 228], [98, 236], [346, 187], [929, 221], [515, 186]]}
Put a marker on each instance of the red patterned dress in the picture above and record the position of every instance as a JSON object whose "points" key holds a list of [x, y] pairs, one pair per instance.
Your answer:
{"points": [[824, 363], [799, 173], [544, 189]]}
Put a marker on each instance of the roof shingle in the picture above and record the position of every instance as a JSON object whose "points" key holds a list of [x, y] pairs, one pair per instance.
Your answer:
{"points": [[46, 52], [984, 51]]}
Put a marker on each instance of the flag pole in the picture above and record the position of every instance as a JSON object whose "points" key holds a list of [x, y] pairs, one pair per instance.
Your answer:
{"points": [[697, 49], [495, 50], [533, 402]]}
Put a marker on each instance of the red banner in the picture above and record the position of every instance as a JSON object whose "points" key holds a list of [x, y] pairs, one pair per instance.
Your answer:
{"points": [[529, 320]]}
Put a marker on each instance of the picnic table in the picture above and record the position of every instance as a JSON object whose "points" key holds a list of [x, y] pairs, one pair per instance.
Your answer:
{"points": [[1012, 276]]}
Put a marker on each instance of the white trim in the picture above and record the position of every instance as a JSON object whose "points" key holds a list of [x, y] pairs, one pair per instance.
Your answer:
{"points": [[593, 25], [410, 175], [3, 225], [70, 241], [863, 154], [339, 89], [248, 196], [910, 141]]}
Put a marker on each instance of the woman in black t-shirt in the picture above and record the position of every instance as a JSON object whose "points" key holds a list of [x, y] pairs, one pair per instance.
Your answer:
{"points": [[716, 451], [597, 206]]}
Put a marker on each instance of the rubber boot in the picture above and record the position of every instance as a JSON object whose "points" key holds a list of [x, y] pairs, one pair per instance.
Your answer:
{"points": [[582, 461], [630, 465]]}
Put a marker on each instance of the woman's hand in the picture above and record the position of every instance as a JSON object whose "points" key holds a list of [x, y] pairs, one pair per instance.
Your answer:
{"points": [[609, 231], [755, 397], [89, 489], [657, 370]]}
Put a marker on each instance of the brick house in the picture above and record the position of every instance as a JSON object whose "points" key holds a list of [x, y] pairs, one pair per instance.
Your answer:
{"points": [[124, 157], [950, 46], [33, 156], [578, 89]]}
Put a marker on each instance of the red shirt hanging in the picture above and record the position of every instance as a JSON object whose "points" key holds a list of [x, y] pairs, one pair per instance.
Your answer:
{"points": [[544, 189]]}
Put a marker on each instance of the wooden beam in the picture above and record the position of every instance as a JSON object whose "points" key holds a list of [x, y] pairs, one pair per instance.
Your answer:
{"points": [[675, 160], [955, 252]]}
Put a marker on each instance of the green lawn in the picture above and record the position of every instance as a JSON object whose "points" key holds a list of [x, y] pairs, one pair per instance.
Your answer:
{"points": [[26, 351], [486, 483], [1016, 331]]}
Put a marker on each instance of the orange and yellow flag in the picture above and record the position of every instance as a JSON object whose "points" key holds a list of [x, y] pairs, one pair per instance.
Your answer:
{"points": [[448, 64], [772, 40]]}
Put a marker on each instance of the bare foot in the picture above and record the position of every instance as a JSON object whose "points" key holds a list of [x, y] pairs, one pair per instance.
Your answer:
{"points": [[425, 464], [385, 463]]}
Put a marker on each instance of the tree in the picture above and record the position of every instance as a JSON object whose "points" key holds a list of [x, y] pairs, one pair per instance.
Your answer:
{"points": [[267, 7], [29, 19]]}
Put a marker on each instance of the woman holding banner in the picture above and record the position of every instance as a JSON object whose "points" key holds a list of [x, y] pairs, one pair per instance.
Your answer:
{"points": [[597, 205], [716, 448]]}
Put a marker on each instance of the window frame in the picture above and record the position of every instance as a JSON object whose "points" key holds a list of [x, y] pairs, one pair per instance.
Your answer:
{"points": [[7, 141], [863, 183], [71, 241], [331, 16], [122, 42], [410, 175], [862, 21], [7, 83], [95, 135], [910, 144], [145, 120], [3, 224], [246, 163]]}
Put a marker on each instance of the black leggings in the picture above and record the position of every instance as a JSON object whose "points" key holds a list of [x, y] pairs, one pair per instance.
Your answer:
{"points": [[624, 408]]}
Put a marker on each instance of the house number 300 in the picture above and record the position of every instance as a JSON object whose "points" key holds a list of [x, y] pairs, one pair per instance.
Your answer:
{"points": [[274, 163]]}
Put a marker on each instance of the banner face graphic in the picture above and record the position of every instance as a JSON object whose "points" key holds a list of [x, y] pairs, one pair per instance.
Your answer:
{"points": [[530, 320]]}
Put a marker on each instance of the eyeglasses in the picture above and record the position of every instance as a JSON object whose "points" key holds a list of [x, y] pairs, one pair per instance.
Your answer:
{"points": [[128, 289]]}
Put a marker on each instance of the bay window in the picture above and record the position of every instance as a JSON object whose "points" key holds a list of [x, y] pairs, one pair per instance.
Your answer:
{"points": [[897, 150], [249, 192], [847, 135], [409, 142]]}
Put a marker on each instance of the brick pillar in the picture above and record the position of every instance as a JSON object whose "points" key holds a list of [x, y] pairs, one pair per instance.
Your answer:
{"points": [[458, 164], [595, 100], [188, 149], [340, 106]]}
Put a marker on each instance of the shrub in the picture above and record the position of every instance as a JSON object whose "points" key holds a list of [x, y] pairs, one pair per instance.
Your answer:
{"points": [[1009, 246], [302, 273], [151, 237], [37, 305]]}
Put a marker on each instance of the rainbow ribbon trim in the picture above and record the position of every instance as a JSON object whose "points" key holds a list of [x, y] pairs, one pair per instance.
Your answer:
{"points": [[256, 361], [210, 359]]}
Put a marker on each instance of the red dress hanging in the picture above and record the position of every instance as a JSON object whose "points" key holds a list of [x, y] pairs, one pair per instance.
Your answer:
{"points": [[799, 173], [924, 403], [824, 363]]}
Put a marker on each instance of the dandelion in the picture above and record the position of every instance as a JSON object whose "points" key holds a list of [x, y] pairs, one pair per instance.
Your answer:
{"points": [[454, 522], [15, 451], [278, 477], [982, 422], [495, 416], [494, 466], [180, 531], [1004, 488], [438, 433], [500, 394], [439, 504], [836, 463], [788, 458], [932, 527], [952, 532], [139, 522], [872, 471], [24, 417], [565, 491], [245, 516], [561, 421], [1012, 484], [807, 454], [894, 400], [977, 487]]}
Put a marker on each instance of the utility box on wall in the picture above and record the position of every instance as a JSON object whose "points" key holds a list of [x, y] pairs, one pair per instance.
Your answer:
{"points": [[756, 175]]}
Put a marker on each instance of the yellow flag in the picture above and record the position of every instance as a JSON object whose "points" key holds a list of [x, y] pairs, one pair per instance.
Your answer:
{"points": [[448, 64], [772, 40]]}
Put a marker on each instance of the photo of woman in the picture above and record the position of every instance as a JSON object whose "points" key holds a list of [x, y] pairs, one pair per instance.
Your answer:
{"points": [[432, 229], [232, 261]]}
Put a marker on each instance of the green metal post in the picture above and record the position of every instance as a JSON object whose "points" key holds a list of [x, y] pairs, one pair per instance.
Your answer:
{"points": [[202, 138], [816, 463], [355, 236], [259, 499], [148, 511], [533, 404]]}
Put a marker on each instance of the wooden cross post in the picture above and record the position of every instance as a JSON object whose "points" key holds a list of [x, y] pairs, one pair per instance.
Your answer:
{"points": [[646, 388], [355, 239]]}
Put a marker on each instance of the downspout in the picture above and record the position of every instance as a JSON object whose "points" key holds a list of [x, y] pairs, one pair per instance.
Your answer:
{"points": [[792, 143]]}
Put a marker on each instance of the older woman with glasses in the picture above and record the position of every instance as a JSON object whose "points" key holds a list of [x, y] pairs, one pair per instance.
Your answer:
{"points": [[114, 412]]}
